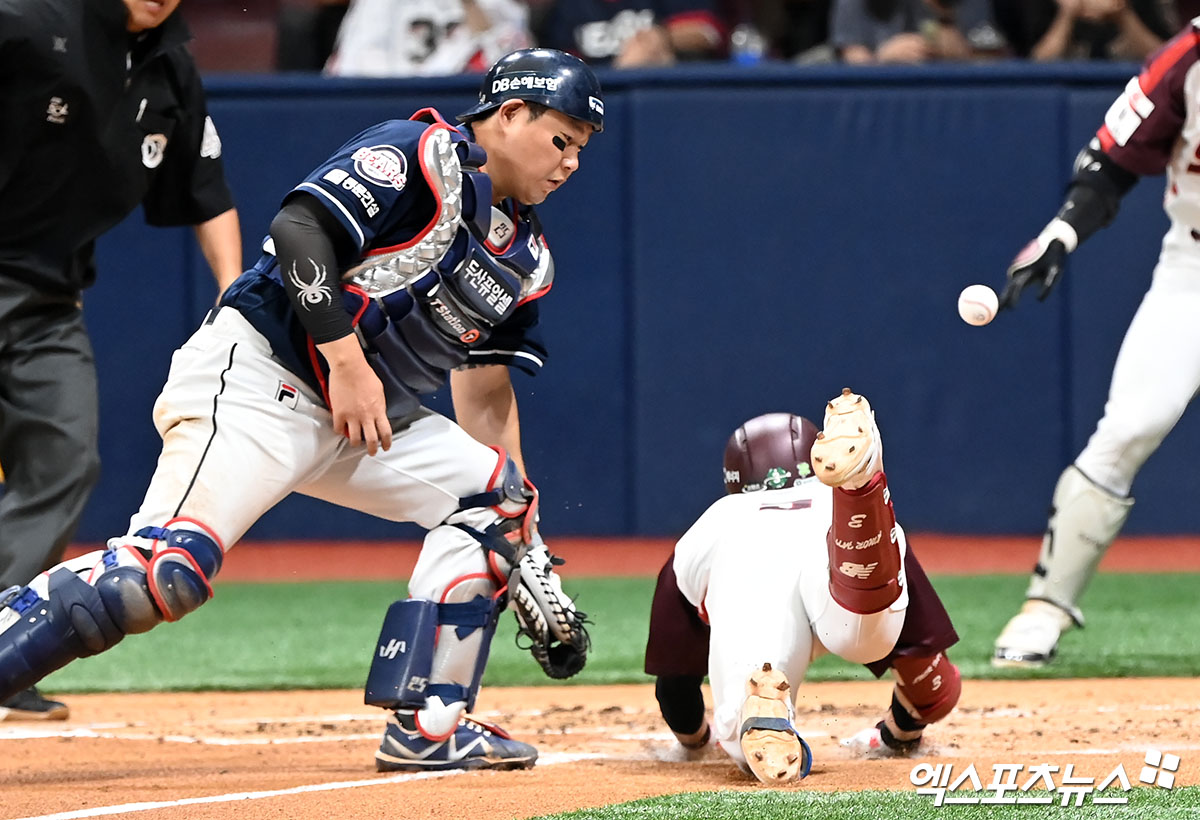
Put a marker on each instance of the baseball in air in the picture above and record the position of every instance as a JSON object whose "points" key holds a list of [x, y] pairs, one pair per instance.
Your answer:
{"points": [[977, 304]]}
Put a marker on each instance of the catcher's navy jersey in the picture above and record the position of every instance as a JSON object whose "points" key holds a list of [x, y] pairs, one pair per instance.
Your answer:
{"points": [[375, 188]]}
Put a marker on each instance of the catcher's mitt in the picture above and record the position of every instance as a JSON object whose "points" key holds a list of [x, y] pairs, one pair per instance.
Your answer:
{"points": [[556, 630]]}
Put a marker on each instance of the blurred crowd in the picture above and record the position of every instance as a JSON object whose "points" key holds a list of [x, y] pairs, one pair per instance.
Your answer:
{"points": [[394, 38]]}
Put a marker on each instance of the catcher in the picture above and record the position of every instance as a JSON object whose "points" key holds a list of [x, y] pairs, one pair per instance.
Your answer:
{"points": [[787, 567], [398, 259]]}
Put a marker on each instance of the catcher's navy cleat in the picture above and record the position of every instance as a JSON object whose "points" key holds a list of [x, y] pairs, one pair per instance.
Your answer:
{"points": [[473, 745]]}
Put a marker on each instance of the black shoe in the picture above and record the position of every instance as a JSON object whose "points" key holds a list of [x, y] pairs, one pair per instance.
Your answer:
{"points": [[30, 705]]}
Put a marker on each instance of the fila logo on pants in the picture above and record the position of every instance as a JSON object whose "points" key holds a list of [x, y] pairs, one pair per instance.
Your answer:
{"points": [[287, 394]]}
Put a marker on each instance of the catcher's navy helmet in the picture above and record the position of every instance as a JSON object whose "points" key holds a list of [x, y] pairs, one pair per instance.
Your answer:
{"points": [[542, 75], [769, 452]]}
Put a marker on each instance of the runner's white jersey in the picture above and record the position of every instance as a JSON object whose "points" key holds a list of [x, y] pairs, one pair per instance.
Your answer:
{"points": [[788, 524]]}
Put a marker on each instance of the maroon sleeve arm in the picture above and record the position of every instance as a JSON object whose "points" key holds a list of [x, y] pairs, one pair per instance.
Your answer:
{"points": [[1142, 126]]}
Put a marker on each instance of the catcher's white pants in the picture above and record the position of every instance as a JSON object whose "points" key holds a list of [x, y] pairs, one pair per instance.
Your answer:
{"points": [[240, 432], [1157, 370], [768, 600]]}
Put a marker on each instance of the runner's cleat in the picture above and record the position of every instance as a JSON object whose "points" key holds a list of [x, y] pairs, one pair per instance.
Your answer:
{"points": [[848, 452], [773, 748]]}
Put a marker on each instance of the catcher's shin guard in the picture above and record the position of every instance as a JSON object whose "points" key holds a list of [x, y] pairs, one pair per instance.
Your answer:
{"points": [[403, 659], [864, 553], [402, 670], [89, 604]]}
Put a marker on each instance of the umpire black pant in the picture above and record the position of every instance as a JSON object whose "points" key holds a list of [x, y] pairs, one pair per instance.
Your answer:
{"points": [[48, 427]]}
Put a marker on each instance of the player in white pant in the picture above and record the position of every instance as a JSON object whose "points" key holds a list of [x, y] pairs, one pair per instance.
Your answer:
{"points": [[1154, 126], [802, 568], [396, 261]]}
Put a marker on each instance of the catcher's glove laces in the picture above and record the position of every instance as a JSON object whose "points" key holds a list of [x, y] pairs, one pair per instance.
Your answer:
{"points": [[547, 617]]}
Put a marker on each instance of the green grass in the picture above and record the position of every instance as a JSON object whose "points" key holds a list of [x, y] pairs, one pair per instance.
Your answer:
{"points": [[1159, 804], [314, 635]]}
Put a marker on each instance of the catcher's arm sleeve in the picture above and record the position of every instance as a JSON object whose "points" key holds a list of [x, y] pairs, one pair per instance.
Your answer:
{"points": [[309, 268]]}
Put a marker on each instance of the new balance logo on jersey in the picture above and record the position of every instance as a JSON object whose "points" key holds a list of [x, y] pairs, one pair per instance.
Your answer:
{"points": [[393, 648], [287, 394], [859, 571], [60, 44]]}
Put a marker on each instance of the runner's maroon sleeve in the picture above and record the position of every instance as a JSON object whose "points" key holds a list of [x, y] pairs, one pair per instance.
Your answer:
{"points": [[864, 558], [1141, 127]]}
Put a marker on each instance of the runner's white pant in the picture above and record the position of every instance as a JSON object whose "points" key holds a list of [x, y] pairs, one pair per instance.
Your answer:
{"points": [[768, 601]]}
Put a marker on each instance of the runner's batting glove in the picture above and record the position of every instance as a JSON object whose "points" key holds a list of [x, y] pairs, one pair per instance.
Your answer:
{"points": [[1040, 261], [547, 616]]}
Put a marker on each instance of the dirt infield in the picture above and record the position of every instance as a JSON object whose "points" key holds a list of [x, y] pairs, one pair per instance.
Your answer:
{"points": [[303, 755]]}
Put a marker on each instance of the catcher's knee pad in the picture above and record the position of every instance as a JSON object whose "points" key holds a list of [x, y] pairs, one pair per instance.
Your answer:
{"points": [[87, 605], [402, 669], [502, 518], [181, 567], [928, 687]]}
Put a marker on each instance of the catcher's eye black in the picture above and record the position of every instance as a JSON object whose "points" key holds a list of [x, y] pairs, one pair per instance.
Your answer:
{"points": [[559, 143]]}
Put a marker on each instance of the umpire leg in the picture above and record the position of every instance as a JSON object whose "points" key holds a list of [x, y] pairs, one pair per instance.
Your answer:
{"points": [[48, 430]]}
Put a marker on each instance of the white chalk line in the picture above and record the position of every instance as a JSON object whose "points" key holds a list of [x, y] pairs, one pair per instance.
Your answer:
{"points": [[130, 808]]}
